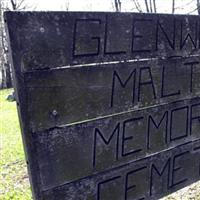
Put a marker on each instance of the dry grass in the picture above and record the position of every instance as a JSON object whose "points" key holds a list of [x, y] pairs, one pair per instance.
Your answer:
{"points": [[14, 183]]}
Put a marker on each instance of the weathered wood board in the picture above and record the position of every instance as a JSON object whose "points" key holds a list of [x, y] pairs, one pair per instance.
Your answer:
{"points": [[114, 141], [83, 93], [78, 37], [148, 178], [109, 103]]}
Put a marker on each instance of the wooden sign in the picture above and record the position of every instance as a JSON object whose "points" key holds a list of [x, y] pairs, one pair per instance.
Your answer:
{"points": [[109, 103]]}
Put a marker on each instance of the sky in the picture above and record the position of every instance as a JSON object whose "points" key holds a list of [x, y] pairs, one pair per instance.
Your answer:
{"points": [[163, 6]]}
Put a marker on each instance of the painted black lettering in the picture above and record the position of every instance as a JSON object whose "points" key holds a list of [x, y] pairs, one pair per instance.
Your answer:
{"points": [[123, 84], [194, 117], [160, 29], [128, 138], [163, 92], [146, 71], [133, 186], [151, 121], [93, 42], [188, 37], [176, 168], [138, 37], [191, 65], [103, 183], [106, 141], [106, 40], [179, 123], [160, 173]]}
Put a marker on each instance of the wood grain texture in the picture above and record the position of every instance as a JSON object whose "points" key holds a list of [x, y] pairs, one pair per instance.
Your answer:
{"points": [[97, 129], [150, 178], [75, 152], [44, 40], [85, 93]]}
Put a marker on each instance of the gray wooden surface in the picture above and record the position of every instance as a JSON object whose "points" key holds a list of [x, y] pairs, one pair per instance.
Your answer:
{"points": [[85, 93], [111, 142], [148, 178], [109, 103], [56, 39]]}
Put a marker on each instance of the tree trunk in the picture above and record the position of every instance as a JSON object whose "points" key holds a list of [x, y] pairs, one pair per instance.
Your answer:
{"points": [[147, 6], [137, 6], [5, 66], [154, 5], [8, 75], [3, 78], [173, 6], [198, 6], [117, 5], [150, 5]]}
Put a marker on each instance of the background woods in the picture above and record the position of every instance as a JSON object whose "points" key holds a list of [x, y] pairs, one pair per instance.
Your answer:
{"points": [[5, 66]]}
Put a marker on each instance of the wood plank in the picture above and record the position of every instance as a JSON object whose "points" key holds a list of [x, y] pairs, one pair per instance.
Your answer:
{"points": [[60, 97], [130, 119], [149, 178], [54, 39], [108, 143]]}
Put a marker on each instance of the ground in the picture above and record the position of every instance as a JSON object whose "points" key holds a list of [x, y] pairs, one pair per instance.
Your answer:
{"points": [[14, 183]]}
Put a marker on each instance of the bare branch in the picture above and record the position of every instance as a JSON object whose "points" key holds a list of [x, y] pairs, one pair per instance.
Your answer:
{"points": [[150, 5], [67, 6], [154, 5], [173, 6], [198, 6], [183, 6], [137, 6], [13, 4], [20, 4], [147, 6], [196, 9], [117, 4]]}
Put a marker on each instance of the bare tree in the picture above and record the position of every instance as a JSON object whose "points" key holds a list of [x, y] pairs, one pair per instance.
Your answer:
{"points": [[67, 5], [173, 6], [197, 9], [117, 5], [147, 6], [154, 5], [5, 65], [2, 60], [17, 5], [150, 5], [198, 6], [137, 6], [6, 81]]}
